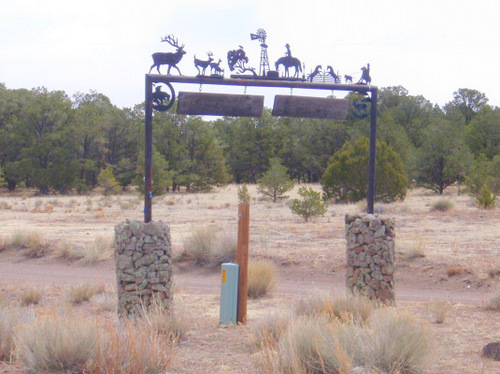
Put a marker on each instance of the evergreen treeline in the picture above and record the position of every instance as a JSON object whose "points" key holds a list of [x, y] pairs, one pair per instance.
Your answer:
{"points": [[57, 143]]}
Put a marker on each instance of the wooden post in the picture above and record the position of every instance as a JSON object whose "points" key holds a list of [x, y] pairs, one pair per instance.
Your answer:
{"points": [[242, 260], [148, 151]]}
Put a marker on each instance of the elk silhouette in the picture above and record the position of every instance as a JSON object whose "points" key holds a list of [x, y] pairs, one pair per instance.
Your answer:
{"points": [[170, 58]]}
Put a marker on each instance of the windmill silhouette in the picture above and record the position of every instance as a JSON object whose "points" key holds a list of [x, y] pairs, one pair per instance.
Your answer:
{"points": [[264, 60]]}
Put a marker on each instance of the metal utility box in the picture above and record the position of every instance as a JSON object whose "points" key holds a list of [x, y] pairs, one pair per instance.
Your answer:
{"points": [[229, 293]]}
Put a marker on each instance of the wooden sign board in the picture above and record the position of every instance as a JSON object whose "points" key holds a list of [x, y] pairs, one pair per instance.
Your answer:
{"points": [[310, 107], [211, 104]]}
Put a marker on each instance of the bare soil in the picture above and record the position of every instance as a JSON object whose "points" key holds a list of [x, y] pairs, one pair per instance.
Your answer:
{"points": [[309, 256]]}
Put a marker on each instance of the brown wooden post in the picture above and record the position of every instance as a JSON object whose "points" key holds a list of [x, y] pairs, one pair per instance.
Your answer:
{"points": [[148, 151], [242, 260]]}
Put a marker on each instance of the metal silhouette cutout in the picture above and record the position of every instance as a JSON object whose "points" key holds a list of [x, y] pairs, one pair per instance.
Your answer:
{"points": [[202, 65], [163, 101], [169, 58], [261, 36], [288, 61], [237, 60]]}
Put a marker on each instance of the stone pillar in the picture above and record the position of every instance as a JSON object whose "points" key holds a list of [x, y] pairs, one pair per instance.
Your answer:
{"points": [[143, 258], [370, 256]]}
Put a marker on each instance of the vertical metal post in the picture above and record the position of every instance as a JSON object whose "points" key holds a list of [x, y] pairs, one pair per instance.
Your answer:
{"points": [[373, 142], [148, 151], [242, 260]]}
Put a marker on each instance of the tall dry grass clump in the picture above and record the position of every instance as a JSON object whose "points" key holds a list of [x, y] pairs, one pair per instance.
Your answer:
{"points": [[388, 341], [97, 251], [442, 205], [165, 322], [261, 278], [33, 242], [336, 306], [131, 348], [56, 343], [494, 302], [31, 296], [207, 247], [439, 310], [401, 343], [10, 320], [81, 293]]}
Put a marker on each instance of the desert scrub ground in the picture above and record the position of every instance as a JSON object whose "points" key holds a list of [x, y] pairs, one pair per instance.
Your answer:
{"points": [[51, 245]]}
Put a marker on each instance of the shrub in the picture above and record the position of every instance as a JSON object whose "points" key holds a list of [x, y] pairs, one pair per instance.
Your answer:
{"points": [[275, 182], [108, 182], [345, 176], [56, 343], [243, 195], [10, 319], [439, 310], [310, 205], [261, 278], [31, 296], [442, 205], [485, 198]]}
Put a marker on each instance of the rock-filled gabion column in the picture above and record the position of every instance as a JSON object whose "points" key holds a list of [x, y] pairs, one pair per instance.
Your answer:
{"points": [[143, 257], [370, 256]]}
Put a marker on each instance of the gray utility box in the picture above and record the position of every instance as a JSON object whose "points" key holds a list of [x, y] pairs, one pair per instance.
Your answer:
{"points": [[229, 293]]}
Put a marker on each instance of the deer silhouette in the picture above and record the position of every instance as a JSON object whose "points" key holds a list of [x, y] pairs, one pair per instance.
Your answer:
{"points": [[170, 58], [203, 64], [215, 68]]}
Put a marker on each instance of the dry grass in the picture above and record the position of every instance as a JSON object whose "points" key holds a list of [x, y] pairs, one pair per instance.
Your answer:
{"points": [[198, 246], [32, 242], [165, 322], [261, 278], [415, 249], [56, 342], [390, 342], [494, 302], [209, 247], [99, 250], [81, 293], [10, 320], [269, 329], [130, 348], [336, 306], [439, 310], [442, 205], [454, 270], [31, 296]]}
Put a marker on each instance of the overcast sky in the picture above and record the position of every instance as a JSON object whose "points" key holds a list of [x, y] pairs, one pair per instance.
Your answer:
{"points": [[432, 48]]}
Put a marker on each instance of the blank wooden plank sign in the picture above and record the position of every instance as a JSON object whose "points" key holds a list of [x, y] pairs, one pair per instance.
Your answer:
{"points": [[310, 107], [211, 104]]}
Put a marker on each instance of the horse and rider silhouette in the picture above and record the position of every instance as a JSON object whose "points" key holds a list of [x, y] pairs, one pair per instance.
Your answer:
{"points": [[288, 61]]}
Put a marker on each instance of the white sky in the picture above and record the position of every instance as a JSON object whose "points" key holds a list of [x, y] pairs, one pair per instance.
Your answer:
{"points": [[431, 48]]}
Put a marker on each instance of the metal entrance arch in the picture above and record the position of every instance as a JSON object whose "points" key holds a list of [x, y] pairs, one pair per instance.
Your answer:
{"points": [[159, 100]]}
